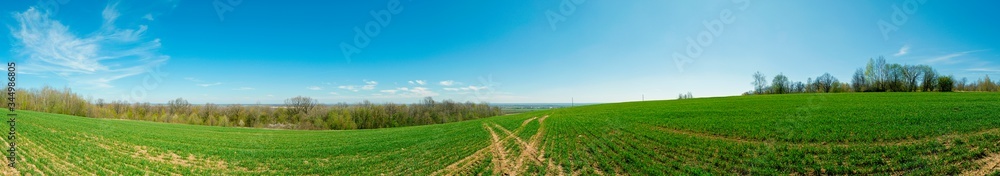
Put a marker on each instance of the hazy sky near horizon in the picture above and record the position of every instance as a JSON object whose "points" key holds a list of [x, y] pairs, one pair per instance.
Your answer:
{"points": [[231, 51]]}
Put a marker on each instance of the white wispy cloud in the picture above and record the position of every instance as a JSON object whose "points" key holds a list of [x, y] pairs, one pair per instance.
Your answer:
{"points": [[244, 88], [94, 60], [449, 83], [334, 93], [369, 85], [410, 92], [474, 88], [350, 88], [466, 88], [418, 82], [949, 58], [422, 91], [210, 84], [903, 51], [314, 88], [203, 84], [983, 70], [148, 16]]}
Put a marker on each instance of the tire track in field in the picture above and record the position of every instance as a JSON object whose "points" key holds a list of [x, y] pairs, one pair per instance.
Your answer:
{"points": [[464, 164], [498, 150], [530, 151], [501, 157], [476, 157], [989, 165]]}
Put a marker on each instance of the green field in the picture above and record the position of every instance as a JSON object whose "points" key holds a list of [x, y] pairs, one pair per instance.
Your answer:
{"points": [[868, 133]]}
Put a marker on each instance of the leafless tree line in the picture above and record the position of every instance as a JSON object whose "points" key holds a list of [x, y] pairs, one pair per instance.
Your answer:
{"points": [[297, 112]]}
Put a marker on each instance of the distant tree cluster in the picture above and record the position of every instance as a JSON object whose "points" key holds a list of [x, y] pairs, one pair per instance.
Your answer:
{"points": [[876, 76], [685, 96], [780, 84], [297, 112]]}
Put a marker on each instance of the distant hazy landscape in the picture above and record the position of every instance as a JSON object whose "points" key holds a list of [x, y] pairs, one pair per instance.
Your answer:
{"points": [[571, 87]]}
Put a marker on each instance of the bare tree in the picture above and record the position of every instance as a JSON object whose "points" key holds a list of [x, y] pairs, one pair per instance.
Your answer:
{"points": [[911, 75], [179, 106], [759, 83], [300, 104], [826, 82], [987, 85], [798, 87], [858, 83], [962, 85], [929, 78], [882, 74], [685, 96]]}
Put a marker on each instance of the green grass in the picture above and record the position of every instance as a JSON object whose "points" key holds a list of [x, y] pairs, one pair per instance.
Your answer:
{"points": [[872, 133]]}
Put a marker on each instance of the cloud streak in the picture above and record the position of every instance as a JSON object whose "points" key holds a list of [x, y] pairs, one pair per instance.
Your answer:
{"points": [[950, 58], [369, 85], [902, 51], [349, 88], [988, 70], [95, 60], [418, 82], [210, 84], [410, 92], [449, 83]]}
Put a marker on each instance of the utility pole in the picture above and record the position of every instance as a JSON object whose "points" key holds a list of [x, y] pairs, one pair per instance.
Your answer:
{"points": [[572, 102], [643, 97]]}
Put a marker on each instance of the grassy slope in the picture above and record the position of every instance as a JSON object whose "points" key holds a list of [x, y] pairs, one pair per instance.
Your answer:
{"points": [[930, 133]]}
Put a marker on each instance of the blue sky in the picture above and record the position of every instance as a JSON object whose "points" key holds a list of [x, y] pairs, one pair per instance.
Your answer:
{"points": [[497, 51]]}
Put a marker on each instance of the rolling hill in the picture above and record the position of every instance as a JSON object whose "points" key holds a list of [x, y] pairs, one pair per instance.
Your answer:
{"points": [[866, 133]]}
